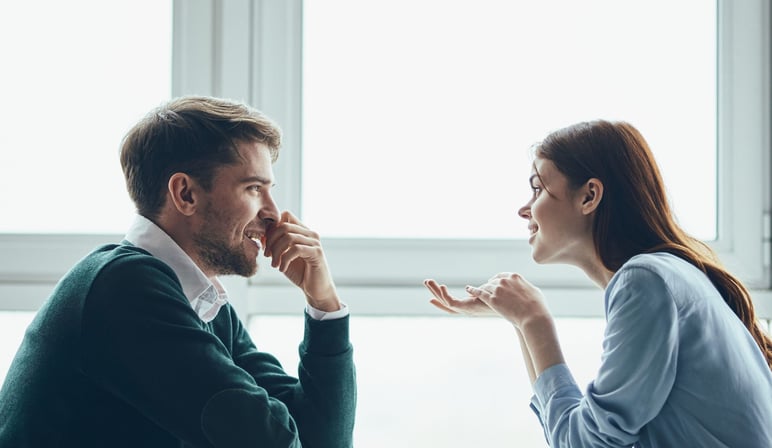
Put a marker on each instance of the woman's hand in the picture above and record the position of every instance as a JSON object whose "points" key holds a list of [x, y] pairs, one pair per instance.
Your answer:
{"points": [[518, 301], [445, 301], [512, 296]]}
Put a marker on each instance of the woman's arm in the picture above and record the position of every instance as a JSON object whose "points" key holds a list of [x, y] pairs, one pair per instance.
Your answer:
{"points": [[522, 304], [526, 356]]}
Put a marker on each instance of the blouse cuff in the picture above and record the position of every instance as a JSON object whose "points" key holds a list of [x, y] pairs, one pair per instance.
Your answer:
{"points": [[551, 380]]}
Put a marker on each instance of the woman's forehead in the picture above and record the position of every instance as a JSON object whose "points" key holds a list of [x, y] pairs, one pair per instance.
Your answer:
{"points": [[543, 167], [548, 173]]}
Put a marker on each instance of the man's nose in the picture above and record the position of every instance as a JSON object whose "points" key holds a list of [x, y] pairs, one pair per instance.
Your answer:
{"points": [[269, 213]]}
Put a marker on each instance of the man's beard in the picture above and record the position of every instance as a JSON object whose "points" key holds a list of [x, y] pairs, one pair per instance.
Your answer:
{"points": [[217, 255]]}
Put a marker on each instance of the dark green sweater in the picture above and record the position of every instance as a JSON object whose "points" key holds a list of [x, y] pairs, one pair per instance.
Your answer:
{"points": [[118, 358]]}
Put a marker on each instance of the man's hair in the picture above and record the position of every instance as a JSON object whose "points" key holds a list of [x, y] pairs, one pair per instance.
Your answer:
{"points": [[194, 135]]}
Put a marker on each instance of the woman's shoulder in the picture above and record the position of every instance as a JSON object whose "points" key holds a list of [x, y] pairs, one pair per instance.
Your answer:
{"points": [[661, 264], [654, 260], [665, 271]]}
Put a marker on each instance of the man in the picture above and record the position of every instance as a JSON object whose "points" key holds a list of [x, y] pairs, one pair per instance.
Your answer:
{"points": [[137, 345]]}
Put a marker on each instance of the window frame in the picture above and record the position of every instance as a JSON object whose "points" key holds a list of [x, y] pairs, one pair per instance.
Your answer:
{"points": [[211, 57]]}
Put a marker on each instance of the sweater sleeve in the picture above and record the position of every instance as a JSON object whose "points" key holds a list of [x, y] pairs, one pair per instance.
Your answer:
{"points": [[144, 344], [637, 372], [323, 400]]}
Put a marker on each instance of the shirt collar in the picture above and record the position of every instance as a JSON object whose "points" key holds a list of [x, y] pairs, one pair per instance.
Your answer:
{"points": [[206, 295]]}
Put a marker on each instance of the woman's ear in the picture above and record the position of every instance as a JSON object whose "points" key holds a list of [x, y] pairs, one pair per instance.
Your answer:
{"points": [[592, 192], [182, 190]]}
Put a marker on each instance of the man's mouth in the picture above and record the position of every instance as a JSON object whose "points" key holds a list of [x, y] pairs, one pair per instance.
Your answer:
{"points": [[256, 237]]}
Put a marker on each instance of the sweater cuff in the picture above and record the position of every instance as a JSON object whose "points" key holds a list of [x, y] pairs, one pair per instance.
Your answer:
{"points": [[326, 337]]}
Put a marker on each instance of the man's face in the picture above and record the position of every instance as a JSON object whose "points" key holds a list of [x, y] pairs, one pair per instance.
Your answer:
{"points": [[235, 214]]}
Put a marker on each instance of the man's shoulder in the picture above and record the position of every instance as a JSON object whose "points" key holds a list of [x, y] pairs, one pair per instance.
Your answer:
{"points": [[115, 276], [122, 260]]}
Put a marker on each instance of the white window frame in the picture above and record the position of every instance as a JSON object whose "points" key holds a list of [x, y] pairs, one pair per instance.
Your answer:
{"points": [[251, 51]]}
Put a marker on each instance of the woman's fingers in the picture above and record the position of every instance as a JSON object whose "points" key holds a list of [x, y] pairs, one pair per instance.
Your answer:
{"points": [[442, 306]]}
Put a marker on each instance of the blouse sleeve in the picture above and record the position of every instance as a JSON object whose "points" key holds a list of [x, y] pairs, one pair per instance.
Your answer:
{"points": [[638, 368]]}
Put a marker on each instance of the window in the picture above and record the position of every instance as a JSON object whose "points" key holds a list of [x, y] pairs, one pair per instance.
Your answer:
{"points": [[77, 75], [13, 323], [422, 122], [435, 391], [212, 56], [727, 131], [257, 52]]}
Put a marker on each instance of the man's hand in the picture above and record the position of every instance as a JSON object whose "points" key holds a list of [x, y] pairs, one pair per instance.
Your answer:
{"points": [[297, 252]]}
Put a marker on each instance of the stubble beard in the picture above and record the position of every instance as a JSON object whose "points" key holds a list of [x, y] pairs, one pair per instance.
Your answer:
{"points": [[216, 253]]}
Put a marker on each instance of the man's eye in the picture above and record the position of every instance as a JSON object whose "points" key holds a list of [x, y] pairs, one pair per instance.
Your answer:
{"points": [[254, 187]]}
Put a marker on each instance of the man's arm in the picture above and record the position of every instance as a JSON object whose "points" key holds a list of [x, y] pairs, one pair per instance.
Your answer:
{"points": [[326, 370], [144, 344], [323, 401]]}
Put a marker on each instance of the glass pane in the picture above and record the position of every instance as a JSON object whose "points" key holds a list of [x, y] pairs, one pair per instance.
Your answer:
{"points": [[440, 381], [77, 74], [13, 324], [418, 114]]}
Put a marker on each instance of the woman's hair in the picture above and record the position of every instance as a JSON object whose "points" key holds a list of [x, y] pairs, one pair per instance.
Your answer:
{"points": [[634, 216], [193, 135]]}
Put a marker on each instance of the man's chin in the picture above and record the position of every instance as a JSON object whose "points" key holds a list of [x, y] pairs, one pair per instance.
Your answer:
{"points": [[249, 270], [241, 269]]}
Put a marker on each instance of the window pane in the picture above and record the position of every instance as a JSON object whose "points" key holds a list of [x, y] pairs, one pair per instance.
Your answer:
{"points": [[418, 115], [440, 381], [13, 324], [77, 74]]}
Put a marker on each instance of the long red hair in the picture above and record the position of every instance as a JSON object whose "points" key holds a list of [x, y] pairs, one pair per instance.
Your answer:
{"points": [[634, 216]]}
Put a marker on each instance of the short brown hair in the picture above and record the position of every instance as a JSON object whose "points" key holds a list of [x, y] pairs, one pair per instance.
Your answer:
{"points": [[190, 134]]}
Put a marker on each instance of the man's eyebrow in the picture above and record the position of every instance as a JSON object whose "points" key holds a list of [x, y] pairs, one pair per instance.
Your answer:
{"points": [[257, 179]]}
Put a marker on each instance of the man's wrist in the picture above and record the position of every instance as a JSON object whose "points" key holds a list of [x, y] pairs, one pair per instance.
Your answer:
{"points": [[318, 314], [328, 306]]}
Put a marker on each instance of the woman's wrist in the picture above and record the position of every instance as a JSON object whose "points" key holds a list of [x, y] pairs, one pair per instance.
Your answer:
{"points": [[541, 339]]}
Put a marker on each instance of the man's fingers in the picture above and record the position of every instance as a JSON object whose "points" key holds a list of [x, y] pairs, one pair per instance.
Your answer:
{"points": [[305, 252], [288, 216]]}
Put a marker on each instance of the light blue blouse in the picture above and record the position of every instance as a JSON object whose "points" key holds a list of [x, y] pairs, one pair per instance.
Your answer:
{"points": [[678, 369]]}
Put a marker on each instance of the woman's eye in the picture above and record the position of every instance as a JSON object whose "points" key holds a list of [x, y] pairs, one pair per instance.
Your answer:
{"points": [[536, 190]]}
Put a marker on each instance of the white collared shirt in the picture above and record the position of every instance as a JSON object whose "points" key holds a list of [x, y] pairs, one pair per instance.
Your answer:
{"points": [[206, 295]]}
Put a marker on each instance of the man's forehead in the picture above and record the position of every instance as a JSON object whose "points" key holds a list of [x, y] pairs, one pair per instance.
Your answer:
{"points": [[253, 165], [251, 149]]}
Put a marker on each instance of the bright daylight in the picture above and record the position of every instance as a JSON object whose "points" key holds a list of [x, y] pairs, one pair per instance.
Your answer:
{"points": [[414, 223]]}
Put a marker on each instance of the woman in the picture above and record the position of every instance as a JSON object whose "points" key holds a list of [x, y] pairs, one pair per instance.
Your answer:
{"points": [[685, 363]]}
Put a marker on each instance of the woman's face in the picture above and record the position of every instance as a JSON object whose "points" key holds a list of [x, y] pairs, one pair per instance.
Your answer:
{"points": [[560, 232]]}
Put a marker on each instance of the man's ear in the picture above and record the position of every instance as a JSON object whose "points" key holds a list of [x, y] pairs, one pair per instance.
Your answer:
{"points": [[183, 193], [592, 194]]}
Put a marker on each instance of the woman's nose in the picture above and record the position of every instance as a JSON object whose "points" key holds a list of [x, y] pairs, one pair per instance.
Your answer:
{"points": [[525, 211]]}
